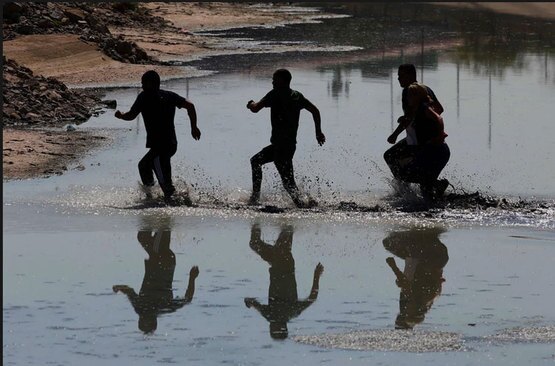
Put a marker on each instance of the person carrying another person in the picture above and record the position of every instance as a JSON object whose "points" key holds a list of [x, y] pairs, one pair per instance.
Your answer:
{"points": [[420, 157]]}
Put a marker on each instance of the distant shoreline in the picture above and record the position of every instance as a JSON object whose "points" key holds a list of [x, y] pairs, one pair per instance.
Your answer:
{"points": [[539, 10]]}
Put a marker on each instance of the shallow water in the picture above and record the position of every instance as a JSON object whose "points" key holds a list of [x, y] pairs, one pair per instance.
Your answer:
{"points": [[69, 239]]}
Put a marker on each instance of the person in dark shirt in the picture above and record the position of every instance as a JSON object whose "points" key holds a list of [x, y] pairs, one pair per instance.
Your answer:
{"points": [[157, 107], [404, 151], [156, 295], [283, 300], [286, 105]]}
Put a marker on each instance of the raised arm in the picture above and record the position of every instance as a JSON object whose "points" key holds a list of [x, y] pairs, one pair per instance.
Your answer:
{"points": [[193, 274], [316, 282], [131, 294], [255, 106], [252, 302], [191, 111], [317, 123]]}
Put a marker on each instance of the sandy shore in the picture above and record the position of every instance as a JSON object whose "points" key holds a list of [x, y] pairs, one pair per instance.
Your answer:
{"points": [[33, 153], [42, 153]]}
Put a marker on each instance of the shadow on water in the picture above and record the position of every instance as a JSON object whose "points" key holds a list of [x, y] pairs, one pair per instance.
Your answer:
{"points": [[421, 279], [156, 294], [283, 300]]}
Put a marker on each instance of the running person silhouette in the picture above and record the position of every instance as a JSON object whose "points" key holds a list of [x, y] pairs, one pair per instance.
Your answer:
{"points": [[285, 105], [157, 107]]}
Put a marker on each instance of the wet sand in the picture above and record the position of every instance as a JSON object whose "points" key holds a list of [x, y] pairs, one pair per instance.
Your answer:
{"points": [[42, 153]]}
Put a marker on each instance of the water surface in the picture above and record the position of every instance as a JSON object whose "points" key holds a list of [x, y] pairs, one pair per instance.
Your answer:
{"points": [[481, 287]]}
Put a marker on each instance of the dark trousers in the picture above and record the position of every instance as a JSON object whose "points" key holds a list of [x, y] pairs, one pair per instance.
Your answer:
{"points": [[158, 160], [398, 157], [420, 164], [282, 156]]}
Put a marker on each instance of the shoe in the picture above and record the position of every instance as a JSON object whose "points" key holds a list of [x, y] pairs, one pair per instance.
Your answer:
{"points": [[440, 187], [253, 201], [147, 190], [170, 201]]}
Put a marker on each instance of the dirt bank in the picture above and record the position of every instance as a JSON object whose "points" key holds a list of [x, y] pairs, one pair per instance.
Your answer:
{"points": [[42, 153]]}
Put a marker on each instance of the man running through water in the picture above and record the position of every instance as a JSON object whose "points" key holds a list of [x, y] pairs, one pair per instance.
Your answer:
{"points": [[403, 152], [157, 107], [285, 105]]}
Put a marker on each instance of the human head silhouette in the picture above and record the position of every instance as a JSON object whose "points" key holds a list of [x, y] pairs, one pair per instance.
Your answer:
{"points": [[148, 323], [278, 330], [406, 75], [281, 79], [150, 81]]}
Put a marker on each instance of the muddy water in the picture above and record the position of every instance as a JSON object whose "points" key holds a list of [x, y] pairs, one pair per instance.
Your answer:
{"points": [[93, 275]]}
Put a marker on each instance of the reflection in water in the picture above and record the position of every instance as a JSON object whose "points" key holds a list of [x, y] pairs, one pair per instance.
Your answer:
{"points": [[422, 278], [338, 85], [283, 301], [156, 295]]}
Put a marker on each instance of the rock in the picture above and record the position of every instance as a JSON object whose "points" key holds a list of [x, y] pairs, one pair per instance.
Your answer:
{"points": [[45, 23], [74, 15], [112, 104], [96, 24], [51, 94], [12, 12], [124, 48], [70, 128], [56, 14], [25, 29], [32, 116]]}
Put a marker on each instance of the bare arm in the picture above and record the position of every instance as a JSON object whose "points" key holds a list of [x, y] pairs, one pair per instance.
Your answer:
{"points": [[255, 106], [128, 116], [317, 123], [402, 280], [191, 111], [193, 274], [403, 123], [437, 107], [316, 282], [252, 302], [131, 294]]}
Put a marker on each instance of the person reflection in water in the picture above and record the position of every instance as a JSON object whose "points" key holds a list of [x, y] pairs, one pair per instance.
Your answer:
{"points": [[156, 295], [283, 301], [422, 278]]}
